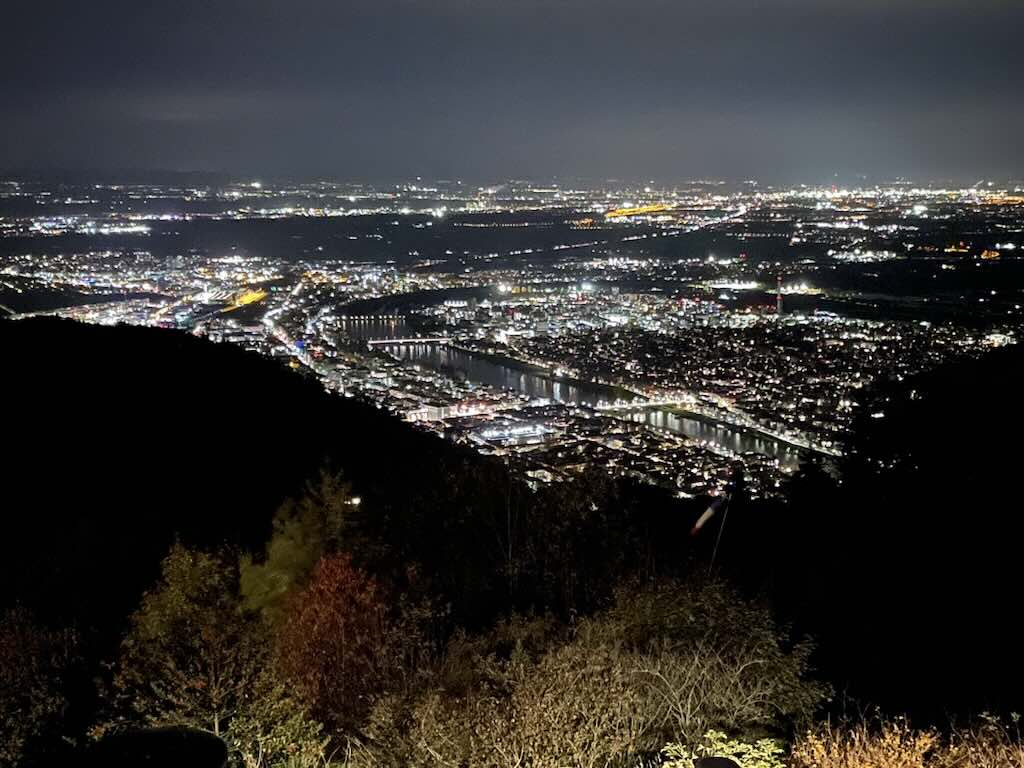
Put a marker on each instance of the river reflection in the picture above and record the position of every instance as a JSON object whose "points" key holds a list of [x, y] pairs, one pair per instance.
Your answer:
{"points": [[726, 437], [511, 375], [371, 328]]}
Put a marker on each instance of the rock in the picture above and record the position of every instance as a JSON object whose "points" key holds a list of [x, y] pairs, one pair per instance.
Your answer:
{"points": [[715, 762], [159, 748]]}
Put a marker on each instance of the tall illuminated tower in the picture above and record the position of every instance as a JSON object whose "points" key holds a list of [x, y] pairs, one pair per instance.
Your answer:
{"points": [[778, 298]]}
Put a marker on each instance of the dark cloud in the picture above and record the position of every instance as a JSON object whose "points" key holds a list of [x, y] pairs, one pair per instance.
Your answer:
{"points": [[645, 88]]}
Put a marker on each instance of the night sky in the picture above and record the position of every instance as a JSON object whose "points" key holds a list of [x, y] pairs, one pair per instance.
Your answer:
{"points": [[780, 90]]}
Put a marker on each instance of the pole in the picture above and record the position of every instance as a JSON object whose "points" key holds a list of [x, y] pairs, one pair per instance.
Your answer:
{"points": [[718, 539]]}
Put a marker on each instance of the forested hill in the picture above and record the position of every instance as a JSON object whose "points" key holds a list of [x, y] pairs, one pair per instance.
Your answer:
{"points": [[124, 438]]}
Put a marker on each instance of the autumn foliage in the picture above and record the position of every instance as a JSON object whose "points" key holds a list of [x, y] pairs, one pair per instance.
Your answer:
{"points": [[331, 642]]}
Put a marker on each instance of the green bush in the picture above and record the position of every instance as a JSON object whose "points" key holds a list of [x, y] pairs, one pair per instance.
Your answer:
{"points": [[762, 753]]}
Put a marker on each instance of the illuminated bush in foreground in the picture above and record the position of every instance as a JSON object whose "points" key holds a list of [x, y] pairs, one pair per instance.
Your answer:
{"points": [[762, 753]]}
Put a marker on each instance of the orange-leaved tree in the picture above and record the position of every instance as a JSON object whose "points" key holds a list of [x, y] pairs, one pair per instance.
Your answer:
{"points": [[333, 643]]}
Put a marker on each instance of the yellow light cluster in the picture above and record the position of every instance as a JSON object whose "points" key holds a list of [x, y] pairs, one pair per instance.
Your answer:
{"points": [[251, 296], [641, 210]]}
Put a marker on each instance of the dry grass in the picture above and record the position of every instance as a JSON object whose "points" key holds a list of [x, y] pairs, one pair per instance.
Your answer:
{"points": [[992, 744]]}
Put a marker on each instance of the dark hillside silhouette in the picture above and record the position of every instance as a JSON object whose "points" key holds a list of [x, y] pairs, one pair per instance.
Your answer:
{"points": [[124, 438], [908, 573], [121, 439]]}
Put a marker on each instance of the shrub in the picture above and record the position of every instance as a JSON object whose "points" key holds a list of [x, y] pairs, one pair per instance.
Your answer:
{"points": [[892, 745], [710, 660], [34, 663], [270, 728], [990, 744], [762, 753], [668, 664]]}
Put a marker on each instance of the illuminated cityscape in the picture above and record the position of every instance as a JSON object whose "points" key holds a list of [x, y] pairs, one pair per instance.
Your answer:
{"points": [[657, 333]]}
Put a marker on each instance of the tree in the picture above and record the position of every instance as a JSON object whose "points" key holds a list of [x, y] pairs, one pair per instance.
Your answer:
{"points": [[195, 657], [332, 643], [191, 654], [34, 662], [304, 530]]}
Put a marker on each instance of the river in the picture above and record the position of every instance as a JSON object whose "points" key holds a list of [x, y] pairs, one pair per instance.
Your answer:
{"points": [[724, 436], [510, 374]]}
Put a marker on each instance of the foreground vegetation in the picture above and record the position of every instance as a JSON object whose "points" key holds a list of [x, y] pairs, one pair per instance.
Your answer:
{"points": [[299, 660], [991, 744], [298, 657]]}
